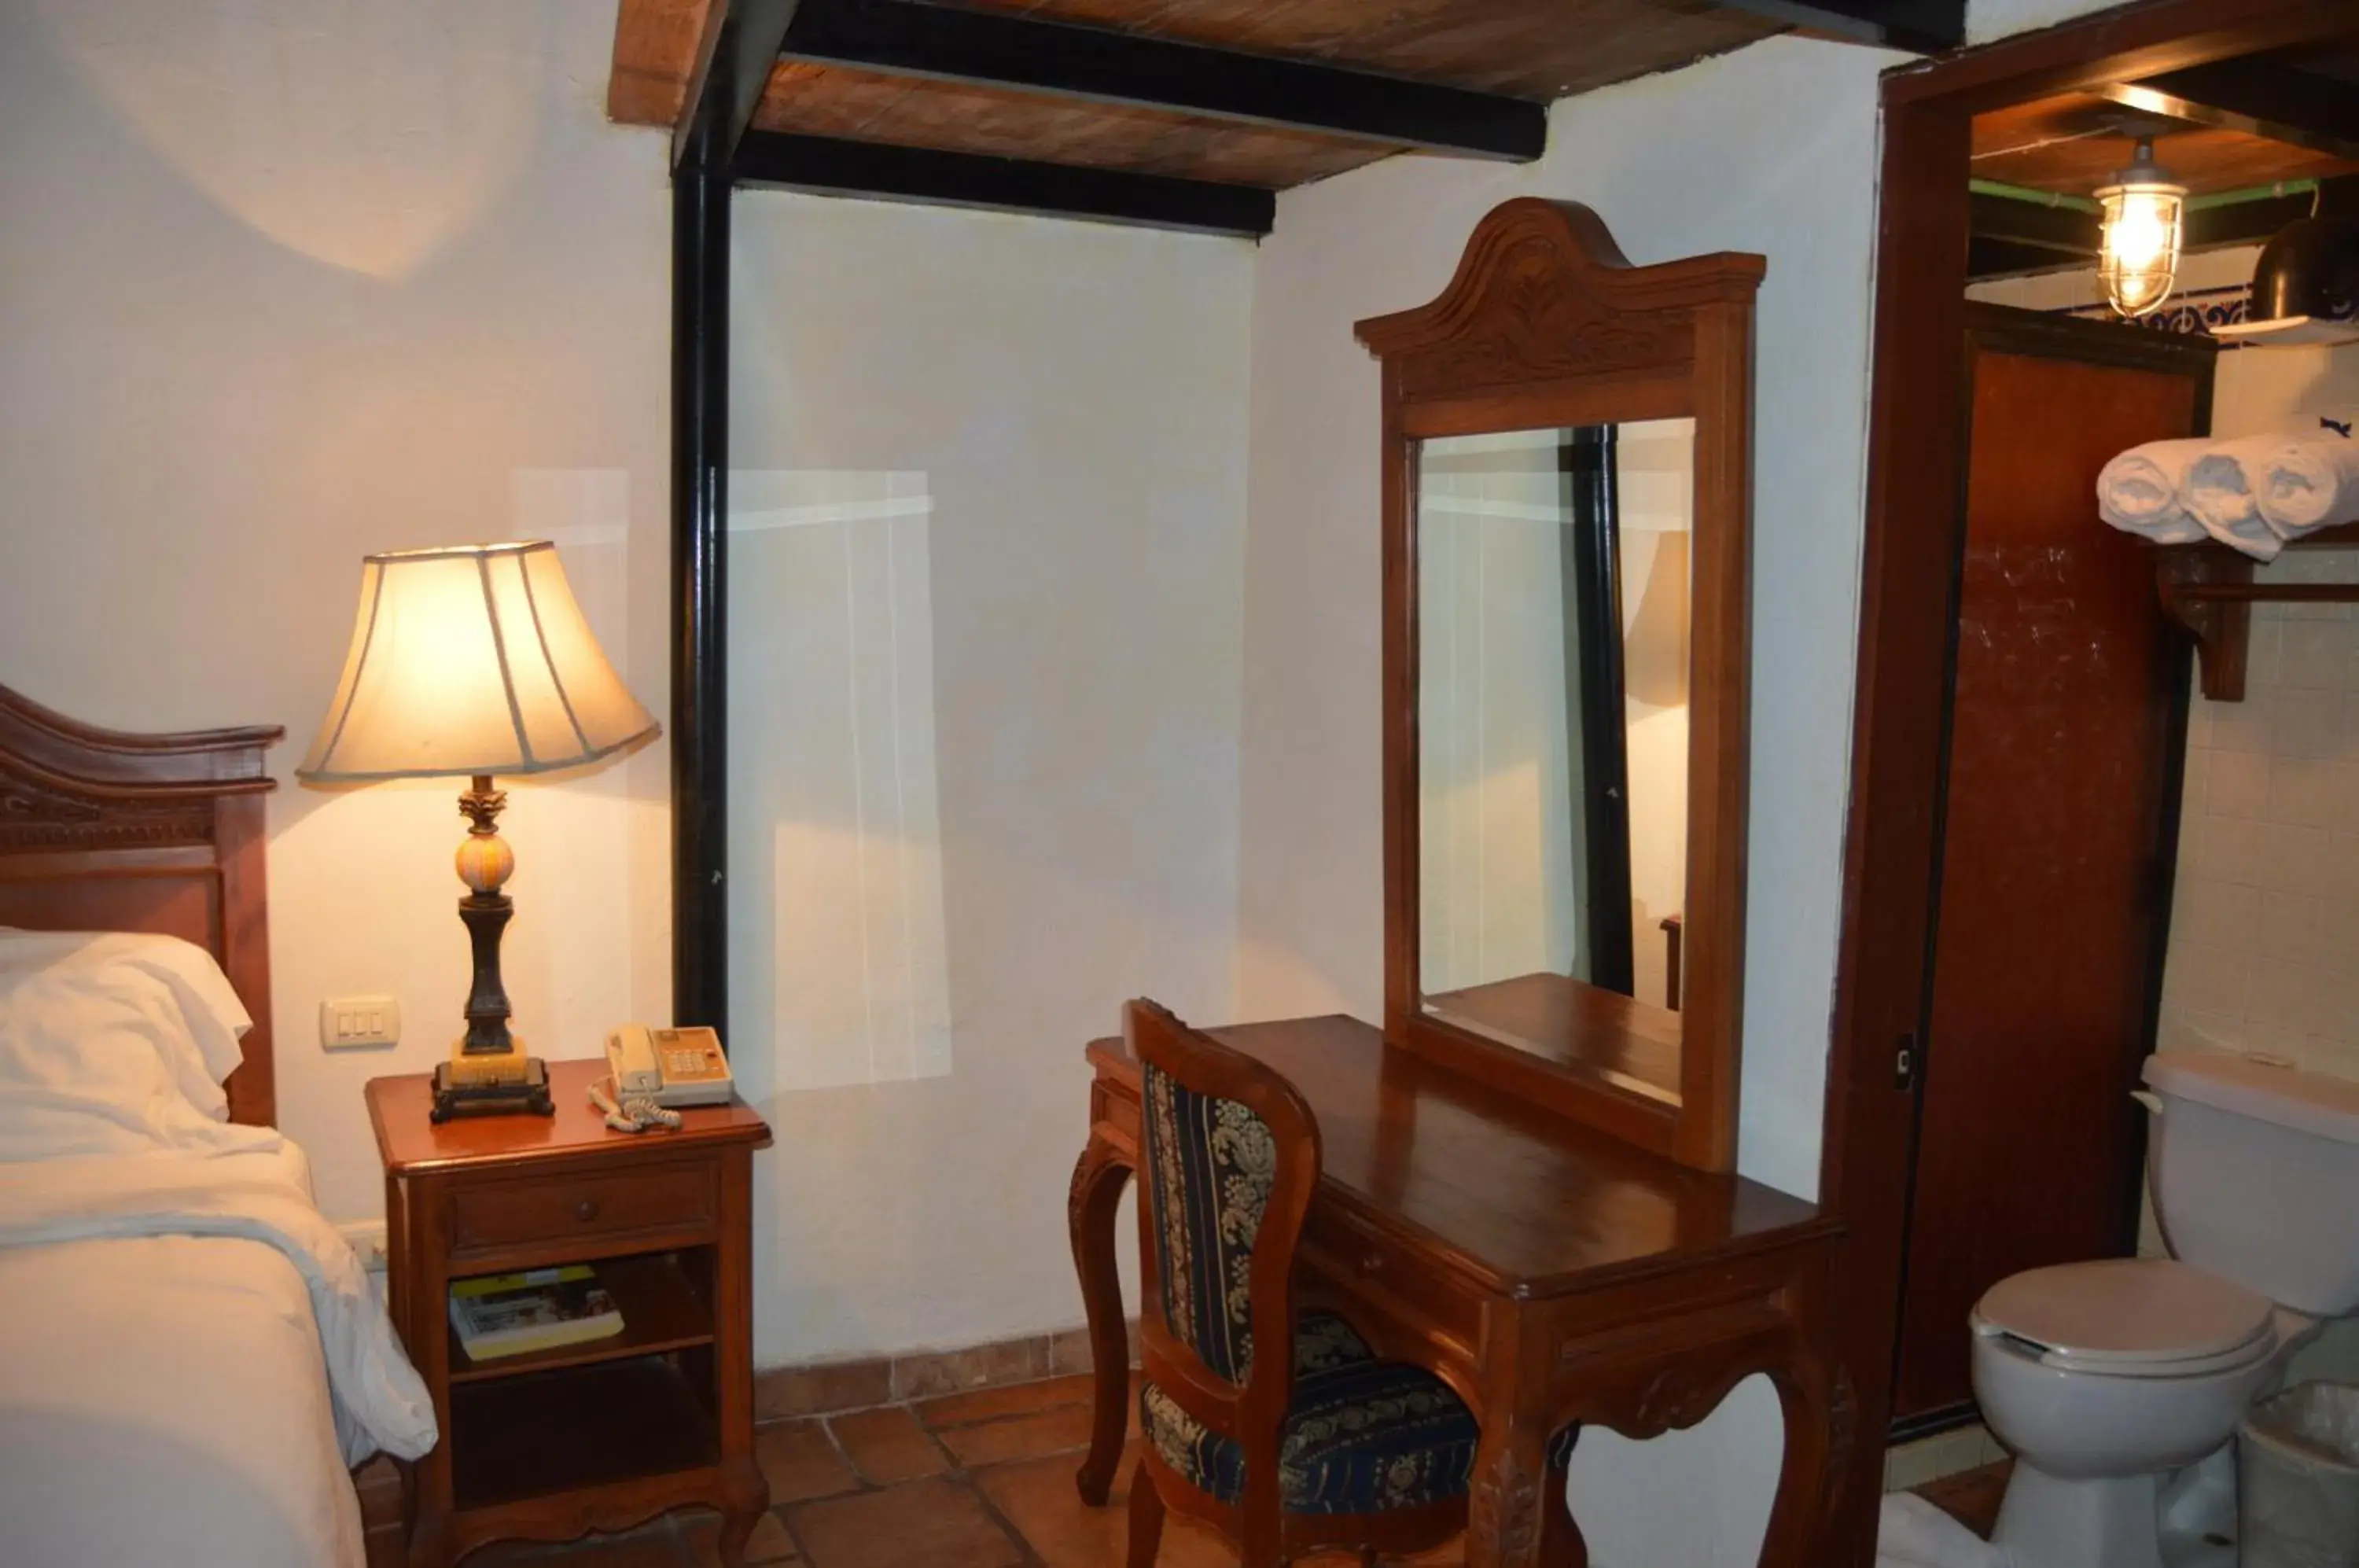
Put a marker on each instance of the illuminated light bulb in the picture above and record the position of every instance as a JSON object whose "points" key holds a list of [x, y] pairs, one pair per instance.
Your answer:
{"points": [[2138, 259]]}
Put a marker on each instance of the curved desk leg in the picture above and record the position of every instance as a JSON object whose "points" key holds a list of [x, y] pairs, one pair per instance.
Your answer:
{"points": [[1089, 1209], [1815, 1424], [1561, 1545]]}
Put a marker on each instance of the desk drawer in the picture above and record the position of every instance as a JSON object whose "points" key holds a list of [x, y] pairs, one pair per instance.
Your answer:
{"points": [[667, 1198], [1388, 1286]]}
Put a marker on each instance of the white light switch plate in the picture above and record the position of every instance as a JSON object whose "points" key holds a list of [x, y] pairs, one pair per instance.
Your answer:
{"points": [[349, 1021]]}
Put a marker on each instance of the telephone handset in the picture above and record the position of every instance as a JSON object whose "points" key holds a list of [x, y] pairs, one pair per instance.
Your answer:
{"points": [[671, 1066]]}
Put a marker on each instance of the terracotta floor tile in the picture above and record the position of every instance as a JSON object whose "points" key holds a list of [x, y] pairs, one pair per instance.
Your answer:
{"points": [[800, 1462], [655, 1547], [1037, 1498], [888, 1445], [1059, 1430], [1972, 1496], [769, 1542], [936, 1523], [1015, 1399]]}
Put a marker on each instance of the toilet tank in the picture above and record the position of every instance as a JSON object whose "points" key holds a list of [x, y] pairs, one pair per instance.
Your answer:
{"points": [[2254, 1169]]}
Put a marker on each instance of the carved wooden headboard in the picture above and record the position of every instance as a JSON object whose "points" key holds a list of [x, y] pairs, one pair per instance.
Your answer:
{"points": [[103, 831]]}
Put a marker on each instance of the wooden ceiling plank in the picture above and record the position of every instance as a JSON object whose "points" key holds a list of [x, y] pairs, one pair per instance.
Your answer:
{"points": [[1103, 66], [2258, 97], [877, 170], [736, 53], [1921, 26]]}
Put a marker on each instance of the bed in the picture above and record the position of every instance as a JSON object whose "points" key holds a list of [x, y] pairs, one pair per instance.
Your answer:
{"points": [[188, 1376]]}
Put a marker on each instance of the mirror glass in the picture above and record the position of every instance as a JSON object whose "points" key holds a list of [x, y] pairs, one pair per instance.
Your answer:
{"points": [[1552, 582]]}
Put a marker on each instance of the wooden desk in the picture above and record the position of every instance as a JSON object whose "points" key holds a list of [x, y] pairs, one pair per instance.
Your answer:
{"points": [[1551, 1273]]}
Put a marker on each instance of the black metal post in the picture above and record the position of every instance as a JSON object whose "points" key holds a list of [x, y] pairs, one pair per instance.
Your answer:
{"points": [[700, 506], [1592, 638]]}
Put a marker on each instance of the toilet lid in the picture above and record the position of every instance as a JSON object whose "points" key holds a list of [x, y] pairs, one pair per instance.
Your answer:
{"points": [[2123, 1314]]}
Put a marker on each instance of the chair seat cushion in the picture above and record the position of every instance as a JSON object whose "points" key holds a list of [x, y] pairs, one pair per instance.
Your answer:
{"points": [[1362, 1437]]}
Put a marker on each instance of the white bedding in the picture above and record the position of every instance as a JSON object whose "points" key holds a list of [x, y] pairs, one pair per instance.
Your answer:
{"points": [[189, 1353]]}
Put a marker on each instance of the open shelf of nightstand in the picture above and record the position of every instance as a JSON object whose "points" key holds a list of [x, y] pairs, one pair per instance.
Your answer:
{"points": [[576, 1428], [663, 1308]]}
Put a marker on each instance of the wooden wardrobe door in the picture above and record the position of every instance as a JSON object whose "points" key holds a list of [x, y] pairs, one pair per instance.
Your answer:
{"points": [[2067, 743]]}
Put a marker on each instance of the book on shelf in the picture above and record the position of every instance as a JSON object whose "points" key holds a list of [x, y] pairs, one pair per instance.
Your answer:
{"points": [[540, 1309]]}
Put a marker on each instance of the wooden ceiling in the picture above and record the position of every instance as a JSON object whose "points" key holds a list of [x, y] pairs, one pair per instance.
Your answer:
{"points": [[947, 76], [2073, 144], [2239, 128]]}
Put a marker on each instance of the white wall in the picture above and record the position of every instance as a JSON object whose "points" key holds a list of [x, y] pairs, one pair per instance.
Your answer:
{"points": [[1074, 397], [1990, 19], [282, 285], [1769, 149]]}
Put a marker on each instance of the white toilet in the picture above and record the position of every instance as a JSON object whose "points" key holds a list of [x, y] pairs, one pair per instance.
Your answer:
{"points": [[2104, 1377]]}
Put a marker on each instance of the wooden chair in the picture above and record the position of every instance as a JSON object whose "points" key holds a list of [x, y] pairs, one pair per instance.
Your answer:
{"points": [[1284, 1433]]}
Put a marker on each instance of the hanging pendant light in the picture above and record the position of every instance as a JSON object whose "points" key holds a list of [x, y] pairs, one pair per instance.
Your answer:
{"points": [[2138, 259]]}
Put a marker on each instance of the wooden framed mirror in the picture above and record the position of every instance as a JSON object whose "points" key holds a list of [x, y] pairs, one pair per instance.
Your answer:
{"points": [[1567, 641]]}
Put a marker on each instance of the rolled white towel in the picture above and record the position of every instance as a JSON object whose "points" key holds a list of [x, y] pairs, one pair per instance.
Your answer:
{"points": [[2221, 492], [2310, 482], [2139, 491]]}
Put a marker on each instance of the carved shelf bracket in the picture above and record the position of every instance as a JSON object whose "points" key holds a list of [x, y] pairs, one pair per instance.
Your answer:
{"points": [[2208, 591], [2221, 627]]}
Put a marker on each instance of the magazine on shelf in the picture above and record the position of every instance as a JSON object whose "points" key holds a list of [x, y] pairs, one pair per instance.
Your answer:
{"points": [[513, 1314]]}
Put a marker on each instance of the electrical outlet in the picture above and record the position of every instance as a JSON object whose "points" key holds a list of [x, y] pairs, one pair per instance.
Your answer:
{"points": [[349, 1021], [367, 1237]]}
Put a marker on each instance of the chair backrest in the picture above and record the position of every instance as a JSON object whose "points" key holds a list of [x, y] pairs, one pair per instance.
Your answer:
{"points": [[1228, 1161]]}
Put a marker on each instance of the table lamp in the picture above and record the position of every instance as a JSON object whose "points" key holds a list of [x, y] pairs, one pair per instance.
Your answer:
{"points": [[475, 661]]}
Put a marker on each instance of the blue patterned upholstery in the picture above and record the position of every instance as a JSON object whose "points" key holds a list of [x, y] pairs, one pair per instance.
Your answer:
{"points": [[1209, 1163], [1362, 1435]]}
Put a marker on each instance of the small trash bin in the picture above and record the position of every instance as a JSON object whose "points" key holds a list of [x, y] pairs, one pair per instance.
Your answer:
{"points": [[2298, 1480]]}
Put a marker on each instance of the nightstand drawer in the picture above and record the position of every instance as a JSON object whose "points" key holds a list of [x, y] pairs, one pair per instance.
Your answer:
{"points": [[649, 1198]]}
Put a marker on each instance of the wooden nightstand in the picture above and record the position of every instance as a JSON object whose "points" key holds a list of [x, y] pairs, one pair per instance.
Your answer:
{"points": [[596, 1436]]}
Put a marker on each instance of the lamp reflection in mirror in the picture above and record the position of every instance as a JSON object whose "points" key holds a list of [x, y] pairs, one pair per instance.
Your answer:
{"points": [[470, 660], [2137, 258]]}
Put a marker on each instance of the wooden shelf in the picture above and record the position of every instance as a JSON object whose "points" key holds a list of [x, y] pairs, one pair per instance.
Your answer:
{"points": [[575, 1430], [661, 1311]]}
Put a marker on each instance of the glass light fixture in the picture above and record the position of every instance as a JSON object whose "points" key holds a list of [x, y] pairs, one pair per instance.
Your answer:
{"points": [[2138, 259]]}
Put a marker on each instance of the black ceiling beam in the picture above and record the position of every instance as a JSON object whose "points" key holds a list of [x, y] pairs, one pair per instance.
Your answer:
{"points": [[1921, 26], [2014, 236], [2258, 96], [827, 167], [734, 55], [2064, 230], [990, 49], [1987, 259]]}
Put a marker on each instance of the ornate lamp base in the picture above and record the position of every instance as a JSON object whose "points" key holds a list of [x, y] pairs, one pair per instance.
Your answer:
{"points": [[488, 1070], [454, 1099]]}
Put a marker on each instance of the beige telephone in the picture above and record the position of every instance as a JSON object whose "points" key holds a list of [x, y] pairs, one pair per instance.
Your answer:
{"points": [[671, 1066]]}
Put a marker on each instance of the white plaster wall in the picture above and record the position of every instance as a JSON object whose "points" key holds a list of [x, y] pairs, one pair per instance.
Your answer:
{"points": [[1989, 19], [1075, 397], [1769, 149], [283, 283]]}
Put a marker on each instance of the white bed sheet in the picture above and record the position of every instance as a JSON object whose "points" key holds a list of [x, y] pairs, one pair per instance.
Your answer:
{"points": [[164, 1404]]}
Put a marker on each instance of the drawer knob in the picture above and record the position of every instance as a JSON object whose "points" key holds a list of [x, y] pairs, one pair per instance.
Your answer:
{"points": [[586, 1210], [1372, 1263]]}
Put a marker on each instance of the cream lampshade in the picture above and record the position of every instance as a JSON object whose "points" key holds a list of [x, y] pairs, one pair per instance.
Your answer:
{"points": [[473, 660]]}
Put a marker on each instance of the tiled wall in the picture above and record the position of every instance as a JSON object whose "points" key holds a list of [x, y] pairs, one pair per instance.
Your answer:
{"points": [[2267, 912]]}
